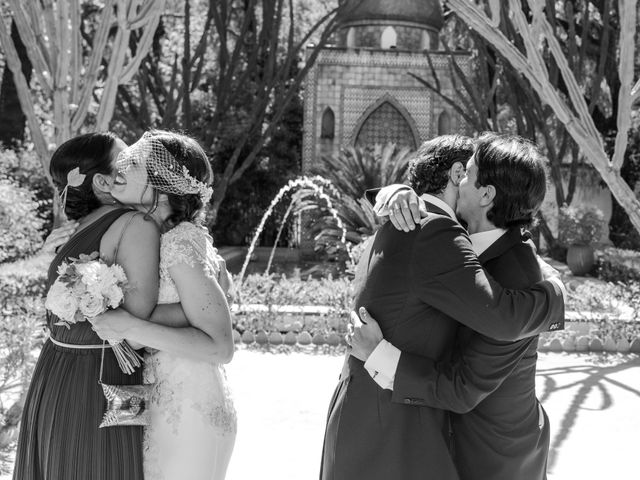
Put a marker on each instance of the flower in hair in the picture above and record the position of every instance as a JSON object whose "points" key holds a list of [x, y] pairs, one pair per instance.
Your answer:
{"points": [[74, 179]]}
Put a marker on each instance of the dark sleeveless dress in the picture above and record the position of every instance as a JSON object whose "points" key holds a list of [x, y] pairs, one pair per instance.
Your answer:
{"points": [[59, 435]]}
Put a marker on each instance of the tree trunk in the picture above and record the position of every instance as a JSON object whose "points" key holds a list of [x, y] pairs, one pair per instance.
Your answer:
{"points": [[12, 119], [571, 109]]}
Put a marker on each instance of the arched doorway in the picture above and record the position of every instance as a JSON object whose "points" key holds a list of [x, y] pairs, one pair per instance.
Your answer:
{"points": [[383, 125], [444, 123]]}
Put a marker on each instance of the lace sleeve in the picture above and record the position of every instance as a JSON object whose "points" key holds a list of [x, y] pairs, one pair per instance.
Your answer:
{"points": [[191, 245]]}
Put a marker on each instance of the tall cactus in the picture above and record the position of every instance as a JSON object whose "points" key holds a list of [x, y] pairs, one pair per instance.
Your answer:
{"points": [[70, 77]]}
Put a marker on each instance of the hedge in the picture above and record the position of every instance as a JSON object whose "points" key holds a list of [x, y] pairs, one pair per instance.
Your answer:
{"points": [[618, 265]]}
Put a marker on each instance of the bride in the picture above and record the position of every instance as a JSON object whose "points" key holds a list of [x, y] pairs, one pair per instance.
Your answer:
{"points": [[193, 422]]}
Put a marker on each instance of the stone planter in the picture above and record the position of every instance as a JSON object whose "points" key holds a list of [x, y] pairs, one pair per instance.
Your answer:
{"points": [[275, 338], [580, 259], [290, 338]]}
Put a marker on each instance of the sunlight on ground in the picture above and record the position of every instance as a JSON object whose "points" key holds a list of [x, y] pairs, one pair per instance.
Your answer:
{"points": [[282, 403], [282, 399]]}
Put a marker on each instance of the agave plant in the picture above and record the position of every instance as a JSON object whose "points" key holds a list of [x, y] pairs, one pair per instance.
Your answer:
{"points": [[352, 173], [356, 170]]}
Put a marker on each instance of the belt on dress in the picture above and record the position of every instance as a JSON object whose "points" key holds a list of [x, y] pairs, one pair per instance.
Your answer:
{"points": [[78, 346]]}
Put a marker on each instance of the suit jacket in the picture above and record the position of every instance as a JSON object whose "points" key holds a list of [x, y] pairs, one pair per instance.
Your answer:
{"points": [[501, 437], [413, 283]]}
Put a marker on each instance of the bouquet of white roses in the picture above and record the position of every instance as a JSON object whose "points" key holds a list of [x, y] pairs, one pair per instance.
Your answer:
{"points": [[87, 287]]}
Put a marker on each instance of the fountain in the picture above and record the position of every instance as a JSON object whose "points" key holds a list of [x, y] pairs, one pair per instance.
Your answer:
{"points": [[318, 184]]}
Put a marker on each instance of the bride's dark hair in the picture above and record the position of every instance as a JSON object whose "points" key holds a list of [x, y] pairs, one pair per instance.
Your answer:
{"points": [[187, 152], [90, 152]]}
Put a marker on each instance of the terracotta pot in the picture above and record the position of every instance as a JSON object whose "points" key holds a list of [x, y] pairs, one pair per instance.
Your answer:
{"points": [[580, 259]]}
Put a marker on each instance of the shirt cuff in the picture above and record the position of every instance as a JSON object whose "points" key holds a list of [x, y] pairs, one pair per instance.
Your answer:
{"points": [[382, 381], [563, 289], [383, 363]]}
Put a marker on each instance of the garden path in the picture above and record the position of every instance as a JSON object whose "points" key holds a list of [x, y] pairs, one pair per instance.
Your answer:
{"points": [[592, 402]]}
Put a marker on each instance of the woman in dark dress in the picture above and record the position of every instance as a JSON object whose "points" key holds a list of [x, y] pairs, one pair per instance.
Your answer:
{"points": [[59, 434]]}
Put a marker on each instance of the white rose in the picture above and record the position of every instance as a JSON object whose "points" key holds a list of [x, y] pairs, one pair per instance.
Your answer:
{"points": [[61, 302], [90, 273], [114, 296], [91, 305], [102, 286], [105, 273], [78, 289], [118, 273]]}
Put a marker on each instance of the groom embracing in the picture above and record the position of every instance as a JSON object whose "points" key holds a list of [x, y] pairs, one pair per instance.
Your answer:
{"points": [[415, 284], [501, 431]]}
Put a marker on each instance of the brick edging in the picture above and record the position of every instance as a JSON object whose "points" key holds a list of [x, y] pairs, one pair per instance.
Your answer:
{"points": [[589, 343], [582, 344]]}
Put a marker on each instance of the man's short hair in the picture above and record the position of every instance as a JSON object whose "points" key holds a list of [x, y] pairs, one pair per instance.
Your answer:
{"points": [[516, 169], [429, 170]]}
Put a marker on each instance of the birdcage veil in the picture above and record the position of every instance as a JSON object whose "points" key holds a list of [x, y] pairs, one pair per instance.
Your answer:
{"points": [[164, 172]]}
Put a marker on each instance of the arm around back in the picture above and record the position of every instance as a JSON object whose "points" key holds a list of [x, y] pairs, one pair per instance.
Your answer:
{"points": [[459, 385], [449, 278], [189, 260], [138, 252]]}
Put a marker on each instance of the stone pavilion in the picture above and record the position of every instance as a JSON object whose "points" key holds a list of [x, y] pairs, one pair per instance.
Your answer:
{"points": [[359, 91]]}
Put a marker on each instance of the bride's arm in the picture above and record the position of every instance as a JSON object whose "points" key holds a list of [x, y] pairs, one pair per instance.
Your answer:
{"points": [[172, 314], [208, 338], [205, 306]]}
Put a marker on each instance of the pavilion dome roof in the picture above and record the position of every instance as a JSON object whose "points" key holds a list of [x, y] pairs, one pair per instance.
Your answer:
{"points": [[426, 13]]}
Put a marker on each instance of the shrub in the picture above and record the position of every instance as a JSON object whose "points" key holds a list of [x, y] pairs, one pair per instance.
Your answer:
{"points": [[22, 317], [611, 310], [293, 290], [21, 225], [352, 173], [581, 225], [24, 169], [270, 290], [618, 265]]}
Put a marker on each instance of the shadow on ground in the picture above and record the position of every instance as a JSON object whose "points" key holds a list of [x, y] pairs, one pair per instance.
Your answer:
{"points": [[593, 379]]}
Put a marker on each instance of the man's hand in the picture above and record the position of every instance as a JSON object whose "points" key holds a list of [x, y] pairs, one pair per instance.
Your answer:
{"points": [[364, 335], [405, 210]]}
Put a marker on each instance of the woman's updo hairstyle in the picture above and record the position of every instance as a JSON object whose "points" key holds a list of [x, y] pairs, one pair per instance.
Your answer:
{"points": [[187, 152], [91, 153]]}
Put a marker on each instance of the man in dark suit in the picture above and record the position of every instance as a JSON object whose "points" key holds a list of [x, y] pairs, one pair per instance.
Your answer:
{"points": [[501, 431], [416, 284]]}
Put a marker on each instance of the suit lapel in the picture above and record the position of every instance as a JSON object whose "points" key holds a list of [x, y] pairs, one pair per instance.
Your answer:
{"points": [[512, 237]]}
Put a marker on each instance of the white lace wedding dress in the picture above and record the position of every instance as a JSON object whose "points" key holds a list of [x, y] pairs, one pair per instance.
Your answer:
{"points": [[193, 421]]}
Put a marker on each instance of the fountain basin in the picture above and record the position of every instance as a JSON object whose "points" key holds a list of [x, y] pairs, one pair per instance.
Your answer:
{"points": [[289, 318]]}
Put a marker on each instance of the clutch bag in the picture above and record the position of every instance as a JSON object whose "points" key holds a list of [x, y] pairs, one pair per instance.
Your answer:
{"points": [[127, 405]]}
